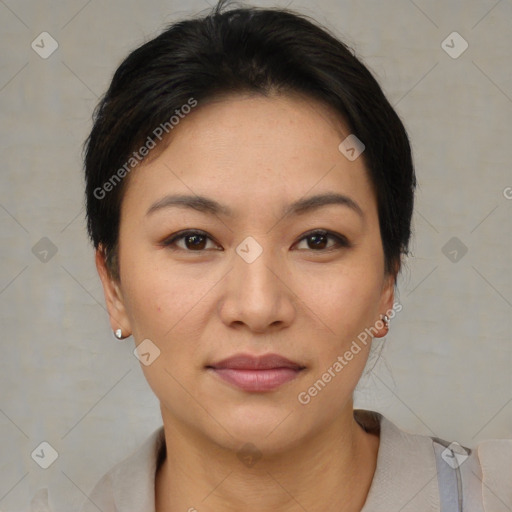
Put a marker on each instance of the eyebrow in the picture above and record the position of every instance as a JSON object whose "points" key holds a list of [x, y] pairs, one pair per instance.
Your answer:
{"points": [[210, 206]]}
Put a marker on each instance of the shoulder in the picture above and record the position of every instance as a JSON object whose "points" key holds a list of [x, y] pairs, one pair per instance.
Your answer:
{"points": [[482, 473], [129, 485], [416, 471], [495, 459]]}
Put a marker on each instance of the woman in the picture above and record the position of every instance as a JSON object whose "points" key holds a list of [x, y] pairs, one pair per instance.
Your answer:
{"points": [[249, 195]]}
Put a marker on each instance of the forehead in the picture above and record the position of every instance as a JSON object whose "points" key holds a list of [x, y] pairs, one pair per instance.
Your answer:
{"points": [[245, 149]]}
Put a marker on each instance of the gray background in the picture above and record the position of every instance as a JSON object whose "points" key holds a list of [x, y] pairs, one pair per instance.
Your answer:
{"points": [[446, 367]]}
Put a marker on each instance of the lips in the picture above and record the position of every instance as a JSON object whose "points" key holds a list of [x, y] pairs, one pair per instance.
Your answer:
{"points": [[248, 362], [256, 373]]}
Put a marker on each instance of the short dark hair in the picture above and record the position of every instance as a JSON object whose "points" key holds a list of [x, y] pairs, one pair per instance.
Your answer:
{"points": [[244, 50]]}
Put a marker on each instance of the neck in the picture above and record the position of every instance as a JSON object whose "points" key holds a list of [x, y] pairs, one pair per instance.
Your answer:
{"points": [[331, 470]]}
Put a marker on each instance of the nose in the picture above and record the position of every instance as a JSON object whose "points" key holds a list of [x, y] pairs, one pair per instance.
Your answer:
{"points": [[257, 295]]}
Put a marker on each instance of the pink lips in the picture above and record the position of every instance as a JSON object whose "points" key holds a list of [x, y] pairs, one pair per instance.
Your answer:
{"points": [[256, 373]]}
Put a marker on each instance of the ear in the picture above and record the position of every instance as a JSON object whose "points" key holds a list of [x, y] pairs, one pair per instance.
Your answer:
{"points": [[386, 300], [113, 296]]}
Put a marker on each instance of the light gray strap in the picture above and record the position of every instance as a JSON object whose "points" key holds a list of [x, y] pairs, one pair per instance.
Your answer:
{"points": [[449, 479]]}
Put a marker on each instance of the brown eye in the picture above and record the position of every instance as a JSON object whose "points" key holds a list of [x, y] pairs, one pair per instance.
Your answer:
{"points": [[196, 241], [318, 240], [193, 241]]}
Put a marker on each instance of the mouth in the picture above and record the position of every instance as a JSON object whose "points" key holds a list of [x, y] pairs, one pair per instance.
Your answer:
{"points": [[256, 373]]}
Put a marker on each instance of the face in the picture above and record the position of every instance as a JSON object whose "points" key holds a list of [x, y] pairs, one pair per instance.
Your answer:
{"points": [[255, 268]]}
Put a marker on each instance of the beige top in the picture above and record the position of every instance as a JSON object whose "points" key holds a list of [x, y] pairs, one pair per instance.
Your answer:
{"points": [[405, 479]]}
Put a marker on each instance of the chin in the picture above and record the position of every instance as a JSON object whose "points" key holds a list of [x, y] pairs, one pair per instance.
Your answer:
{"points": [[271, 429]]}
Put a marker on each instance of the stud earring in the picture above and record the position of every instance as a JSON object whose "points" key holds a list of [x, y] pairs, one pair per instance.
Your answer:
{"points": [[385, 318], [118, 333]]}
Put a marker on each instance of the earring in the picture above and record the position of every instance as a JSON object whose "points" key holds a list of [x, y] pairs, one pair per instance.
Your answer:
{"points": [[118, 333], [385, 318]]}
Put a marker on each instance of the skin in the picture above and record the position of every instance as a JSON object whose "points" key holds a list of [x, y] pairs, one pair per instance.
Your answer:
{"points": [[255, 155]]}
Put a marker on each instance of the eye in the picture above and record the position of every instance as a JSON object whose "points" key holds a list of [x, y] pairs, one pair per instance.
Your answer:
{"points": [[317, 240], [194, 240], [197, 241]]}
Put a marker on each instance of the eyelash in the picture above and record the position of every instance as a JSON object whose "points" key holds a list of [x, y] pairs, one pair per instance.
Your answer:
{"points": [[341, 241]]}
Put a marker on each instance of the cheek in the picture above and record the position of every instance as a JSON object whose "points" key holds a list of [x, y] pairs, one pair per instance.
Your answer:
{"points": [[167, 306], [347, 304], [161, 311], [346, 300]]}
